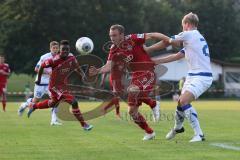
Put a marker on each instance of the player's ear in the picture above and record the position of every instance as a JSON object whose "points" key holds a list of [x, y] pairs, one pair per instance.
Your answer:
{"points": [[122, 35]]}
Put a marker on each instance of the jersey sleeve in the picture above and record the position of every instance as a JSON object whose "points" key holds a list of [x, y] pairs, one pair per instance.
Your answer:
{"points": [[75, 63], [8, 70], [110, 54], [183, 36], [138, 38], [182, 51], [38, 64], [47, 63]]}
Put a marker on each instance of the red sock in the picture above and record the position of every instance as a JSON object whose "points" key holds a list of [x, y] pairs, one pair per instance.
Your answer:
{"points": [[4, 105], [141, 122], [42, 105], [117, 109], [110, 104], [150, 102], [77, 113], [117, 106], [4, 100]]}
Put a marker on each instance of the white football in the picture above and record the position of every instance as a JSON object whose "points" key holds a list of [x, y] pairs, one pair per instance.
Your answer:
{"points": [[84, 45]]}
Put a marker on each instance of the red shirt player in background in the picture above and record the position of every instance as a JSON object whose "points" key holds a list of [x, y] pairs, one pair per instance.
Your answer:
{"points": [[4, 73], [116, 81], [141, 67], [62, 65], [115, 100]]}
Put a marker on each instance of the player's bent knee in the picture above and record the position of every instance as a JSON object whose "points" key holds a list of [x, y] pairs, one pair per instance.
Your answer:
{"points": [[132, 111], [52, 103], [133, 89], [183, 101]]}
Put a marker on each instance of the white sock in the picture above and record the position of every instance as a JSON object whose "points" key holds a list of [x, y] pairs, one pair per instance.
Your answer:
{"points": [[179, 119], [54, 114], [158, 103], [191, 115], [158, 98], [26, 104]]}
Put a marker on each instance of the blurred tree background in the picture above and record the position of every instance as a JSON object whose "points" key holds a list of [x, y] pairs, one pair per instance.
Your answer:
{"points": [[27, 26]]}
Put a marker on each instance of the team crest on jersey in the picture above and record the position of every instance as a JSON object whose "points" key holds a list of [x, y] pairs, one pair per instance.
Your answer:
{"points": [[130, 46], [127, 45]]}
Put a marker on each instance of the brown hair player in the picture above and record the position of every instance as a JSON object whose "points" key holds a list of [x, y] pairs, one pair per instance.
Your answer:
{"points": [[62, 64], [42, 89], [131, 49]]}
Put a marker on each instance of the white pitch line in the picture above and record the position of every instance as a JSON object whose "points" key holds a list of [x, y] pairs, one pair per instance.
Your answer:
{"points": [[225, 146]]}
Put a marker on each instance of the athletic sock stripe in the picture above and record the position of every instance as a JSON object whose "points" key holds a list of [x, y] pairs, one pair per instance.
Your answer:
{"points": [[186, 107], [75, 110], [194, 114]]}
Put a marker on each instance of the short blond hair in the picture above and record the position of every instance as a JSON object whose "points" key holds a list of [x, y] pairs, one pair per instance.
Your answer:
{"points": [[54, 43], [118, 27], [191, 18]]}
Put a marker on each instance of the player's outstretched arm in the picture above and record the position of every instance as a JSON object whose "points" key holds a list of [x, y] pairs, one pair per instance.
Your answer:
{"points": [[104, 75], [166, 59], [44, 71], [36, 69], [157, 36], [155, 47], [166, 40], [104, 69]]}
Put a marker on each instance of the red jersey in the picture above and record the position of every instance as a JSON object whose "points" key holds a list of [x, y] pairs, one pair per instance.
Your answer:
{"points": [[136, 58], [61, 69], [3, 78]]}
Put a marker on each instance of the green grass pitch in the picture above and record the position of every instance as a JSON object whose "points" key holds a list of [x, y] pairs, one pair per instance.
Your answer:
{"points": [[114, 139]]}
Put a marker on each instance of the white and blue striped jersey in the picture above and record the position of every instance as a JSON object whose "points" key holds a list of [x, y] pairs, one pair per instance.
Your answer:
{"points": [[196, 52], [45, 77]]}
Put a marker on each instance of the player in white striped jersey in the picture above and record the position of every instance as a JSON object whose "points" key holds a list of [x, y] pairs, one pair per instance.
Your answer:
{"points": [[42, 89], [199, 77]]}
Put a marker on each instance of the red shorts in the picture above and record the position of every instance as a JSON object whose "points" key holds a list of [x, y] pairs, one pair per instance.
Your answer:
{"points": [[145, 82], [2, 88], [116, 86], [59, 95]]}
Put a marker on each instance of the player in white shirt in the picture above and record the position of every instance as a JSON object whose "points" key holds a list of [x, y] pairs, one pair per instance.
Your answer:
{"points": [[199, 77], [40, 90]]}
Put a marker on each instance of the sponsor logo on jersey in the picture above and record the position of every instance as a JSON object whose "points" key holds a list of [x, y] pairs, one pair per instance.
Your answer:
{"points": [[128, 58]]}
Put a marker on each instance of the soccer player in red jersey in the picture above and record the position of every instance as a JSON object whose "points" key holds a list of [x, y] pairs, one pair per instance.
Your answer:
{"points": [[118, 82], [4, 73], [141, 68], [115, 100], [62, 65]]}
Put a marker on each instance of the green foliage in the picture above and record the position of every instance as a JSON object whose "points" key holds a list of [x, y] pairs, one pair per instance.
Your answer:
{"points": [[17, 83], [27, 26]]}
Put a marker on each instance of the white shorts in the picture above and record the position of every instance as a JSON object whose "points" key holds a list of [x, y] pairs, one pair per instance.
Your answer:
{"points": [[39, 91], [197, 85]]}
